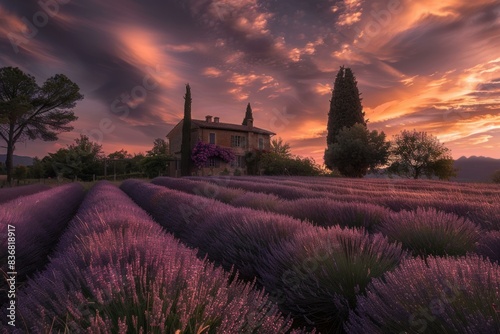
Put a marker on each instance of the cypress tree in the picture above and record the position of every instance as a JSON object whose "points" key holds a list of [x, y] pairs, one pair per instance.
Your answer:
{"points": [[248, 115], [345, 108], [186, 135]]}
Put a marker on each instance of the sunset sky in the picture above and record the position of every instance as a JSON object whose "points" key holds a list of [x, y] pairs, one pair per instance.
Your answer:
{"points": [[426, 65]]}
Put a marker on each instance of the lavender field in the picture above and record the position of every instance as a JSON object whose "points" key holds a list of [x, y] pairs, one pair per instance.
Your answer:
{"points": [[252, 255]]}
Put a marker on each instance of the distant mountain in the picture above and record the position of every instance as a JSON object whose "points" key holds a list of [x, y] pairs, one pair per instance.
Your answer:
{"points": [[18, 160], [476, 169]]}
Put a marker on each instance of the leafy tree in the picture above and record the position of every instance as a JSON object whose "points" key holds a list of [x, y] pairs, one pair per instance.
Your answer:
{"points": [[415, 154], [156, 161], [78, 160], [20, 172], [29, 112], [159, 147], [248, 115], [345, 109], [357, 150], [121, 154], [280, 148], [279, 161], [186, 135], [118, 160], [496, 176], [37, 170], [135, 163]]}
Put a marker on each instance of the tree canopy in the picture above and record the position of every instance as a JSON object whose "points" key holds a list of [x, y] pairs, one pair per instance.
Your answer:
{"points": [[80, 159], [29, 111], [345, 105], [157, 159], [358, 150], [415, 154]]}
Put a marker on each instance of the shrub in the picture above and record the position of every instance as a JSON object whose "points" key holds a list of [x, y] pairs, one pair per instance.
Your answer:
{"points": [[258, 201], [430, 232], [240, 237], [438, 295], [201, 188], [129, 276], [227, 235], [39, 220], [496, 176], [324, 212], [318, 274], [176, 211], [489, 245], [285, 192], [8, 194]]}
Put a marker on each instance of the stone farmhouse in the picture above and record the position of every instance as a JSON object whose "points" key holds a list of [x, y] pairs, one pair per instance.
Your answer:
{"points": [[239, 138]]}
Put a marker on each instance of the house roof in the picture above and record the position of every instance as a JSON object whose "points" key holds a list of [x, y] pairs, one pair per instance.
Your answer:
{"points": [[227, 126]]}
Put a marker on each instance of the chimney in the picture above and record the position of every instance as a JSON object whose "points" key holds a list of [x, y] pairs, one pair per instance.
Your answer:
{"points": [[208, 118], [216, 119]]}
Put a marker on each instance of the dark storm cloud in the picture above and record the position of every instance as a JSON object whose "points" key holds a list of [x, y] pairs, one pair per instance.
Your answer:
{"points": [[437, 43], [132, 58]]}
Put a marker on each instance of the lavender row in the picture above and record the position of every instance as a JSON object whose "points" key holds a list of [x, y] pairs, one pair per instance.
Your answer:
{"points": [[486, 214], [116, 270], [9, 194], [320, 212], [35, 223], [424, 231], [410, 188], [438, 295], [380, 184], [313, 273]]}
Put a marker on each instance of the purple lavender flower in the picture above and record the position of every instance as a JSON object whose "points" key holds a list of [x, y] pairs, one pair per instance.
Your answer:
{"points": [[116, 270], [436, 295], [9, 194], [37, 221], [431, 232]]}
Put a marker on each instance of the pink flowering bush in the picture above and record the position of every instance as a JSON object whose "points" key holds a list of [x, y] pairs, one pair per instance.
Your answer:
{"points": [[204, 151]]}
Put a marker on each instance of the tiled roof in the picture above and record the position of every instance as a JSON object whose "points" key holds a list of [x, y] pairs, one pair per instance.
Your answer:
{"points": [[228, 126]]}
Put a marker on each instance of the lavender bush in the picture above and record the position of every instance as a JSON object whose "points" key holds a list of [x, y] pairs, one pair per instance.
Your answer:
{"points": [[325, 212], [430, 232], [227, 235], [39, 220], [258, 201], [317, 275], [8, 194], [285, 192], [489, 245], [438, 295], [124, 274], [178, 212], [240, 237], [200, 188]]}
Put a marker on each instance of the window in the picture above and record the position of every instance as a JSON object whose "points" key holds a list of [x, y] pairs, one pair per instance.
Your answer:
{"points": [[261, 143], [213, 163], [239, 162], [238, 141], [211, 138]]}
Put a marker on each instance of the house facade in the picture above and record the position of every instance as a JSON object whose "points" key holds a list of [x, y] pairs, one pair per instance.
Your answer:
{"points": [[241, 139]]}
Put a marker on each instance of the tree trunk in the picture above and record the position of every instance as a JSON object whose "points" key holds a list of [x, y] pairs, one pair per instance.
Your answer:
{"points": [[417, 173], [9, 161]]}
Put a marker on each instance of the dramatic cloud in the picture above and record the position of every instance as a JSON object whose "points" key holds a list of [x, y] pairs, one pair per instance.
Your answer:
{"points": [[428, 65]]}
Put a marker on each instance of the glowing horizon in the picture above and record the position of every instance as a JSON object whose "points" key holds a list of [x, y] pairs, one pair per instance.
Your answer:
{"points": [[425, 66]]}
